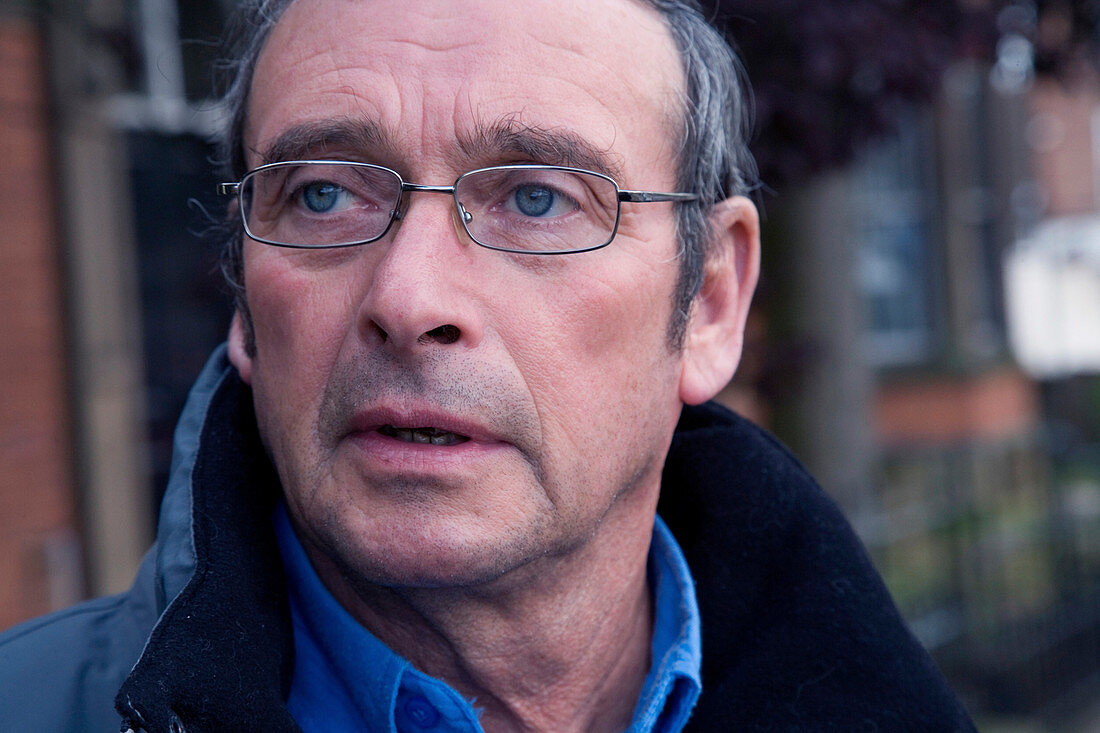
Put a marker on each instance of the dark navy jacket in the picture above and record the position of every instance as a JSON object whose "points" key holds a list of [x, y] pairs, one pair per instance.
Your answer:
{"points": [[799, 633]]}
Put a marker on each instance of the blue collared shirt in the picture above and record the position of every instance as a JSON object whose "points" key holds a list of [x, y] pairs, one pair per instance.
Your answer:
{"points": [[346, 679]]}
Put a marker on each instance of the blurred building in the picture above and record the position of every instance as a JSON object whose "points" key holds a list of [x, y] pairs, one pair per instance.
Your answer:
{"points": [[111, 301]]}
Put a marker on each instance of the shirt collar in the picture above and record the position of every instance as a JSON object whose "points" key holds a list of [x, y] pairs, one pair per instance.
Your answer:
{"points": [[674, 682], [346, 679]]}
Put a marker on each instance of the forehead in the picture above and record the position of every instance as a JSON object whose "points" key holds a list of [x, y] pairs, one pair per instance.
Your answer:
{"points": [[427, 74]]}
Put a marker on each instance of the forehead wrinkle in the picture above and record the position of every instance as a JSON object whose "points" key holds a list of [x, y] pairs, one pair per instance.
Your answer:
{"points": [[550, 141], [557, 146]]}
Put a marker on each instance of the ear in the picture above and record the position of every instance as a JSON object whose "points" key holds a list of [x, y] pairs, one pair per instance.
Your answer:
{"points": [[238, 347], [716, 327]]}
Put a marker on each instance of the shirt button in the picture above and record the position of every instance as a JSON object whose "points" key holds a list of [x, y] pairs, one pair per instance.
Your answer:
{"points": [[420, 712]]}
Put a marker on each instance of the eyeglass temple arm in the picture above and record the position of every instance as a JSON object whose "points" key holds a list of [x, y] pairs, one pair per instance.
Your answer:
{"points": [[229, 189], [649, 197]]}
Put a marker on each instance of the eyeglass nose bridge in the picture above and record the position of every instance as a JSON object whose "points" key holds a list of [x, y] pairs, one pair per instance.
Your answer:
{"points": [[407, 187]]}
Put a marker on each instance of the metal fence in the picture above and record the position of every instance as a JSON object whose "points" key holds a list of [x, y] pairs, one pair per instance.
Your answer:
{"points": [[993, 554]]}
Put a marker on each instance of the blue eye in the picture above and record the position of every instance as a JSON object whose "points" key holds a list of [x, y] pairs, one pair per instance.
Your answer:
{"points": [[532, 200], [323, 197]]}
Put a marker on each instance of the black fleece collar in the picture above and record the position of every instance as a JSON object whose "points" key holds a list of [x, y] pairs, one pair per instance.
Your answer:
{"points": [[221, 656], [799, 632]]}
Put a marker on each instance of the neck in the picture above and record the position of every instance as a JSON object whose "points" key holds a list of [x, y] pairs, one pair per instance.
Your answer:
{"points": [[567, 652]]}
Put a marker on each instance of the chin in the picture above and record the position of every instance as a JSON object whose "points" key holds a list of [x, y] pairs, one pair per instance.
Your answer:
{"points": [[437, 556]]}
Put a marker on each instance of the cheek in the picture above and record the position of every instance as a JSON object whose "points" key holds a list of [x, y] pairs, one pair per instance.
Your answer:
{"points": [[300, 321], [596, 342], [618, 320], [603, 379]]}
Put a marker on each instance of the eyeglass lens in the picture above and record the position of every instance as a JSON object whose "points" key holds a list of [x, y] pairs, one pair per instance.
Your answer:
{"points": [[521, 208], [318, 205], [538, 209]]}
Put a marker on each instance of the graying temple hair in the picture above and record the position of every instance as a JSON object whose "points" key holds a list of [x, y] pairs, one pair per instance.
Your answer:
{"points": [[714, 160]]}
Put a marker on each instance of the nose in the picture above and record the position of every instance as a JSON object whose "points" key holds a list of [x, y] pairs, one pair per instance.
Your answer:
{"points": [[422, 288]]}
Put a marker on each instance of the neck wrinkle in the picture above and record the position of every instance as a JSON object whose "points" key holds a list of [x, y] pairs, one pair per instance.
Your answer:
{"points": [[583, 644]]}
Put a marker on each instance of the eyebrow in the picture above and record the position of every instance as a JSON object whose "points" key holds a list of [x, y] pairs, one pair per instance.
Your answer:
{"points": [[535, 144], [308, 139], [501, 141]]}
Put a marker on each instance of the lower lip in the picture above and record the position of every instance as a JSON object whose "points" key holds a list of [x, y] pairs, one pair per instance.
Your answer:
{"points": [[387, 452]]}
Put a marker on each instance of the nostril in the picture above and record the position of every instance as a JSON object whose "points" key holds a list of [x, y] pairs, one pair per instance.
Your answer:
{"points": [[378, 332], [445, 335]]}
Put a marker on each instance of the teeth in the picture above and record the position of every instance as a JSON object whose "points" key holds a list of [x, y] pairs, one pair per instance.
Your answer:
{"points": [[433, 436]]}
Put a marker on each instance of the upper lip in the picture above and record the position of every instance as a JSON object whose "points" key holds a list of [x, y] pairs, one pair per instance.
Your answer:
{"points": [[412, 418]]}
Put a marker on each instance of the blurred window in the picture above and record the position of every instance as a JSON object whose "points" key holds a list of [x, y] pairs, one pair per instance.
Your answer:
{"points": [[893, 200]]}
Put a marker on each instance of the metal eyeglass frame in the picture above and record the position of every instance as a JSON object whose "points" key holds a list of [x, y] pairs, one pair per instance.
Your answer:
{"points": [[628, 196]]}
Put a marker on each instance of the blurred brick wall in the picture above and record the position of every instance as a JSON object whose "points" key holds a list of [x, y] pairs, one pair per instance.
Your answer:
{"points": [[999, 404], [1062, 133], [40, 566]]}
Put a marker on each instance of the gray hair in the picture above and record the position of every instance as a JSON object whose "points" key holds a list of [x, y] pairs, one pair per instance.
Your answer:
{"points": [[713, 161]]}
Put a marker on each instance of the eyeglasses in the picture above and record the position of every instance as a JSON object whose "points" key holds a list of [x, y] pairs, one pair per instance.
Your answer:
{"points": [[529, 209]]}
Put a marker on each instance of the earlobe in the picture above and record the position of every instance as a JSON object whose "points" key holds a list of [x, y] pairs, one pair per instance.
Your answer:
{"points": [[238, 348], [716, 330]]}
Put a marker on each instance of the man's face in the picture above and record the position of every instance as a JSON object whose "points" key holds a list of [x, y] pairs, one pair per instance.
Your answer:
{"points": [[546, 386]]}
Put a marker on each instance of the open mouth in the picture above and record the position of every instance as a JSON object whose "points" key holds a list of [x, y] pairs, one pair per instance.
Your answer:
{"points": [[433, 436]]}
